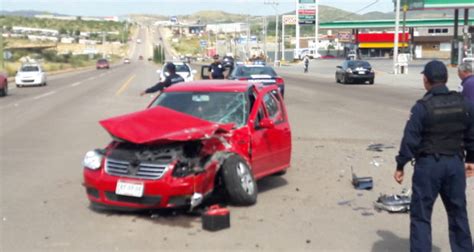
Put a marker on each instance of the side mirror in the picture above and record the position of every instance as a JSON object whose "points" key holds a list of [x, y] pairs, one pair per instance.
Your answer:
{"points": [[194, 71], [266, 123], [158, 71], [339, 67]]}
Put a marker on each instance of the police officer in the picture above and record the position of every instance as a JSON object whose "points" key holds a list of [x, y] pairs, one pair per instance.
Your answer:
{"points": [[306, 63], [171, 79], [439, 135], [216, 69]]}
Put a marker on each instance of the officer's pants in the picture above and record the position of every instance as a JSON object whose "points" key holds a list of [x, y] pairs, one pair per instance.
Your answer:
{"points": [[443, 175]]}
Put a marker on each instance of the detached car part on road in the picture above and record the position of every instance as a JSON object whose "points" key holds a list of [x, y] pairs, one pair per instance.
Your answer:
{"points": [[194, 139]]}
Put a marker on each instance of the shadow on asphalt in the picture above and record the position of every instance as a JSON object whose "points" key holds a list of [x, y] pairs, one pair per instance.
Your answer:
{"points": [[271, 183], [391, 242], [182, 217]]}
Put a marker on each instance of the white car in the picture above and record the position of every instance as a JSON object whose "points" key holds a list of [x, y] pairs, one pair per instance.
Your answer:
{"points": [[29, 75], [182, 69]]}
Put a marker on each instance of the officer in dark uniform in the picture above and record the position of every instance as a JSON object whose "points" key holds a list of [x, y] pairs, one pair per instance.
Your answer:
{"points": [[171, 79], [440, 137], [216, 69]]}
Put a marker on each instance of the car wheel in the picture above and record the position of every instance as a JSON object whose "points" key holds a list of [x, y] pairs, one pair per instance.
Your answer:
{"points": [[239, 182], [18, 86], [371, 81], [343, 79], [337, 79], [4, 91]]}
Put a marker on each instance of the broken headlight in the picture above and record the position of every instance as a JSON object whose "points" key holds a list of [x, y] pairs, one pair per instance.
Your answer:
{"points": [[182, 170], [92, 160]]}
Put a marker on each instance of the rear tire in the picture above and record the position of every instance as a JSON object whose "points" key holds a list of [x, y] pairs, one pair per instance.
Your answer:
{"points": [[18, 86], [4, 91], [239, 182]]}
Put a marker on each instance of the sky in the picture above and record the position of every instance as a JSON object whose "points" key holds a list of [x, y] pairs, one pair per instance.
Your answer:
{"points": [[179, 7]]}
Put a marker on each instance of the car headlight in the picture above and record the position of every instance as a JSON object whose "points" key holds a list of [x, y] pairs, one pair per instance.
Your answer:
{"points": [[349, 70], [92, 160]]}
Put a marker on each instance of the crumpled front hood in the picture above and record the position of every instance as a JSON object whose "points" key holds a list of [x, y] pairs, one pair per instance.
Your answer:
{"points": [[160, 124]]}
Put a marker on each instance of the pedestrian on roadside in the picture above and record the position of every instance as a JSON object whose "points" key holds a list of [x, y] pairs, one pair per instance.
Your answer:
{"points": [[216, 69], [467, 84], [171, 79], [439, 136], [306, 63]]}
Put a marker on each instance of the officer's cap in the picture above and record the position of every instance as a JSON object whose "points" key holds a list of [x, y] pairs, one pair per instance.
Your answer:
{"points": [[436, 72], [216, 56]]}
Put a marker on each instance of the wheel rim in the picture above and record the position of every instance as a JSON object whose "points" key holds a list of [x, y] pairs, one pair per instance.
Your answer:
{"points": [[246, 180]]}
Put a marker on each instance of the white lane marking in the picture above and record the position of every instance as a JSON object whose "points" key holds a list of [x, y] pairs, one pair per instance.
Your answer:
{"points": [[75, 84], [44, 95]]}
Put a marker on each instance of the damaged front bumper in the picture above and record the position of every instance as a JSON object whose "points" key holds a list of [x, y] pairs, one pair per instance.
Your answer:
{"points": [[166, 192]]}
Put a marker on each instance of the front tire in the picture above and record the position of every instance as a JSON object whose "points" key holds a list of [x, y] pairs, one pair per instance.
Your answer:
{"points": [[239, 182], [371, 81], [4, 91], [344, 80]]}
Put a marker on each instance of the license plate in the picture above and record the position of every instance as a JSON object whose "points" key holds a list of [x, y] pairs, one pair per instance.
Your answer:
{"points": [[127, 188], [361, 72]]}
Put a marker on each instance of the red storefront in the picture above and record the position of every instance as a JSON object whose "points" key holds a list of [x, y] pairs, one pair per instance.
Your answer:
{"points": [[380, 44]]}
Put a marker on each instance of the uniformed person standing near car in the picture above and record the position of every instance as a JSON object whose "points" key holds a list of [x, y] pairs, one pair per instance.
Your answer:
{"points": [[438, 135], [171, 79], [216, 69]]}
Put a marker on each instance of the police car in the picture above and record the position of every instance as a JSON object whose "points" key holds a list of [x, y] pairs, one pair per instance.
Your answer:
{"points": [[258, 72]]}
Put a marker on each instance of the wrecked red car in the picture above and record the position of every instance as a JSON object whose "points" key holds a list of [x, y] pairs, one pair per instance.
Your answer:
{"points": [[193, 139]]}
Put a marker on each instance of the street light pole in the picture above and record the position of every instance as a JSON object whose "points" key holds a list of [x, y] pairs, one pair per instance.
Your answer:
{"points": [[274, 4], [395, 43]]}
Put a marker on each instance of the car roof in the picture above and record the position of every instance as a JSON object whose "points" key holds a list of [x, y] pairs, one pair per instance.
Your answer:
{"points": [[210, 86]]}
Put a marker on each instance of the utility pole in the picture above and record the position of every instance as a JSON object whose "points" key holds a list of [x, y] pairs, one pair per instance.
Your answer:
{"points": [[395, 43], [404, 38], [265, 37], [297, 30], [274, 4], [316, 29], [248, 37]]}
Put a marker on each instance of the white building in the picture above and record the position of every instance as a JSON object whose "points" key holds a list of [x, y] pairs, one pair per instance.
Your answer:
{"points": [[227, 28], [29, 30]]}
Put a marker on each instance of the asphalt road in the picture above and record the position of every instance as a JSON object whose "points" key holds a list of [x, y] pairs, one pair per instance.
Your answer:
{"points": [[45, 132]]}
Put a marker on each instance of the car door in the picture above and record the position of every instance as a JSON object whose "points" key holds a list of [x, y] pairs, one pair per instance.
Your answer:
{"points": [[271, 135], [205, 72]]}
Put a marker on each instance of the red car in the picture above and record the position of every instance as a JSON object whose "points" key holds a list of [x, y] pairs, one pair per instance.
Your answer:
{"points": [[3, 85], [195, 138], [102, 64]]}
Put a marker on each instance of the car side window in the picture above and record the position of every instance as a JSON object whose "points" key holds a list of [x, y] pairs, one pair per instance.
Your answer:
{"points": [[273, 108]]}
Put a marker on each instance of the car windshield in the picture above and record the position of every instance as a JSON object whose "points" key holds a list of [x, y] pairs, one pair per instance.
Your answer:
{"points": [[29, 69], [355, 64], [102, 61], [246, 71], [182, 68], [218, 107]]}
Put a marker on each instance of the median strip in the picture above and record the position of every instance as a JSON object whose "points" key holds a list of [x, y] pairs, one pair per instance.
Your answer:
{"points": [[125, 85]]}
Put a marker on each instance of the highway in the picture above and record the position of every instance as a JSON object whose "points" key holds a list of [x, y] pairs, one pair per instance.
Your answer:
{"points": [[45, 132]]}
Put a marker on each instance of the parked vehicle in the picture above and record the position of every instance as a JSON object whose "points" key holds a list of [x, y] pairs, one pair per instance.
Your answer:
{"points": [[3, 84], [30, 74], [182, 69], [102, 64], [355, 71], [258, 73], [126, 61], [195, 139]]}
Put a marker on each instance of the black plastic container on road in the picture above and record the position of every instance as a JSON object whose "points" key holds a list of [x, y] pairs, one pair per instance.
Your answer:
{"points": [[216, 218]]}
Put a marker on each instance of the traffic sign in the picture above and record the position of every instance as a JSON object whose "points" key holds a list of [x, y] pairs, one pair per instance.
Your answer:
{"points": [[436, 4], [7, 55]]}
